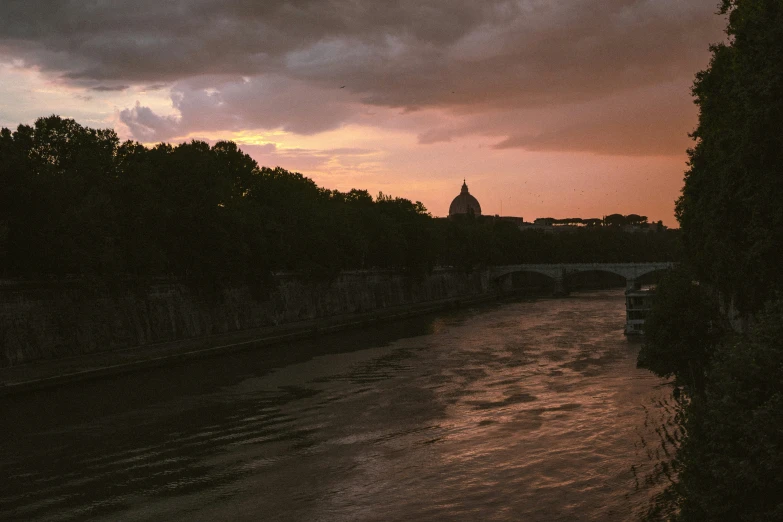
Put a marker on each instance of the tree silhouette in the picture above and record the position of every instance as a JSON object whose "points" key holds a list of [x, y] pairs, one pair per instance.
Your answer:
{"points": [[74, 200]]}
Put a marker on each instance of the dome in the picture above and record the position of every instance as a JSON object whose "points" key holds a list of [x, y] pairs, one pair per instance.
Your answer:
{"points": [[465, 203]]}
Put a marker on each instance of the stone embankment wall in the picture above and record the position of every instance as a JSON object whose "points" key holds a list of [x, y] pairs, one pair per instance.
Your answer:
{"points": [[51, 320]]}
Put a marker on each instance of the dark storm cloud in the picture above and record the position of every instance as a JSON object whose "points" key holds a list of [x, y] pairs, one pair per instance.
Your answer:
{"points": [[308, 60], [651, 121], [268, 101], [109, 88]]}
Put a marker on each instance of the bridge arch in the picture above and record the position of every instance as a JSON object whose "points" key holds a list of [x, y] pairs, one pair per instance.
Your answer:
{"points": [[652, 276], [594, 279], [560, 272], [551, 274], [531, 280]]}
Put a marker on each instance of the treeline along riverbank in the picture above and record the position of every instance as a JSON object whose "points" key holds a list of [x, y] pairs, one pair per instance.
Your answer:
{"points": [[729, 378], [106, 245], [77, 201]]}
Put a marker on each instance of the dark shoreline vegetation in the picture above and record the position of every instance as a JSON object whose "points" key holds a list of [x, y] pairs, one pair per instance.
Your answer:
{"points": [[717, 324], [75, 201]]}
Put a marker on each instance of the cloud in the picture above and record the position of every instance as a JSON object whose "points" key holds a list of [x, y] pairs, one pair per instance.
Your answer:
{"points": [[230, 104], [147, 126], [155, 87], [109, 88], [340, 162], [652, 121], [266, 148], [307, 66], [350, 151]]}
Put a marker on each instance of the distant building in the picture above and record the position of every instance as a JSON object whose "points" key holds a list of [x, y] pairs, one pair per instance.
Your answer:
{"points": [[548, 225], [464, 203], [645, 227], [536, 226], [517, 220]]}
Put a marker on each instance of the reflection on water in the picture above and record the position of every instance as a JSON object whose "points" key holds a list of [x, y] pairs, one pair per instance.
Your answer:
{"points": [[523, 411]]}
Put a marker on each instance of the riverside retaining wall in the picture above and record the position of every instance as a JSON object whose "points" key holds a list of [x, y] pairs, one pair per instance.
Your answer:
{"points": [[45, 320]]}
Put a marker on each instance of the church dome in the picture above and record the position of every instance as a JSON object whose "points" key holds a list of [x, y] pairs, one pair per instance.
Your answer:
{"points": [[465, 203]]}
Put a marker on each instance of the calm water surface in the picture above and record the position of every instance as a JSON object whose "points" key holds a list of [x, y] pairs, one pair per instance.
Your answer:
{"points": [[521, 411]]}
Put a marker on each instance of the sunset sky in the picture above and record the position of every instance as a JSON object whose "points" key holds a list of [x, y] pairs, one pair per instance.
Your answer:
{"points": [[562, 108]]}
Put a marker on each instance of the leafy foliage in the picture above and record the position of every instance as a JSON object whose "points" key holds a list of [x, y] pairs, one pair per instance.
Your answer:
{"points": [[74, 200], [733, 454], [730, 209], [681, 331], [732, 224]]}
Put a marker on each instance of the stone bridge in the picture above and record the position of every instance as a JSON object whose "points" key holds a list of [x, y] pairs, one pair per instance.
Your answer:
{"points": [[560, 271]]}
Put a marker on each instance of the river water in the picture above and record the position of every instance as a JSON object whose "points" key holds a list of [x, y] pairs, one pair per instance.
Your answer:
{"points": [[530, 410]]}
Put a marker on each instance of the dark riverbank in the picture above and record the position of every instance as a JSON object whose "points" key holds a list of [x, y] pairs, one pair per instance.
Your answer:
{"points": [[54, 372], [65, 318]]}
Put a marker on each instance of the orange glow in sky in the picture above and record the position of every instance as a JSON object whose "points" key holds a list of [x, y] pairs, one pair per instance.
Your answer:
{"points": [[547, 108]]}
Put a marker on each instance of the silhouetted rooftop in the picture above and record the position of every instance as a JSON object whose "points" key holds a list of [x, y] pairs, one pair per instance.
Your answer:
{"points": [[464, 203]]}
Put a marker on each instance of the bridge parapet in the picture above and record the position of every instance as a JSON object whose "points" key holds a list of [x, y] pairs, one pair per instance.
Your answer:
{"points": [[559, 271]]}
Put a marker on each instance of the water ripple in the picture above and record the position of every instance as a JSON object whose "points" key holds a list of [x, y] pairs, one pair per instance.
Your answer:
{"points": [[525, 411]]}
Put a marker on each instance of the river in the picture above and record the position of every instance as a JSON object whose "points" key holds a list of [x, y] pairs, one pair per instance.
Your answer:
{"points": [[530, 410]]}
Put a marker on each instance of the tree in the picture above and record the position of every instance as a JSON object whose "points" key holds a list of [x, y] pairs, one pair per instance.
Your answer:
{"points": [[732, 227], [681, 331], [75, 201], [635, 219], [615, 220], [733, 453], [55, 180], [730, 210]]}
